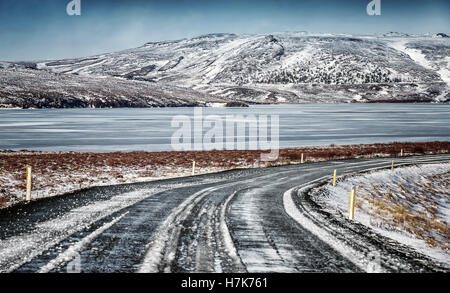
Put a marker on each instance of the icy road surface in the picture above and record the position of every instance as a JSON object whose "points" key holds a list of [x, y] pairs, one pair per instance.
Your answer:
{"points": [[252, 220]]}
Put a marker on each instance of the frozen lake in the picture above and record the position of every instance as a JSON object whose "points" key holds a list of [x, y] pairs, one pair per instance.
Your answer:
{"points": [[150, 129]]}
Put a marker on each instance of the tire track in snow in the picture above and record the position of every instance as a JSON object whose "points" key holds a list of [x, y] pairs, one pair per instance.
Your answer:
{"points": [[268, 240], [75, 249], [230, 223], [160, 253], [166, 246]]}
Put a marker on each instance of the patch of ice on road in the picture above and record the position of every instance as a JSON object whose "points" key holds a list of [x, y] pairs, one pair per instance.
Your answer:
{"points": [[75, 249], [227, 240], [261, 260], [259, 251], [156, 248], [17, 250]]}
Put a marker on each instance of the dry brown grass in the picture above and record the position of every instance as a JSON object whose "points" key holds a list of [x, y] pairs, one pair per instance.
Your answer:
{"points": [[85, 169], [413, 209]]}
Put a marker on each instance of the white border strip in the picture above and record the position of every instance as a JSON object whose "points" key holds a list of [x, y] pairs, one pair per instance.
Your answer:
{"points": [[348, 252]]}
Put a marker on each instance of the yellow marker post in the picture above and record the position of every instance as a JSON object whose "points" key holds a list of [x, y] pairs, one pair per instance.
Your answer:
{"points": [[301, 159], [392, 166], [334, 178], [193, 167], [28, 193], [351, 210]]}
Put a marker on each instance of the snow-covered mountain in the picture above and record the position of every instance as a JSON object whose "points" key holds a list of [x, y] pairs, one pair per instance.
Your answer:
{"points": [[276, 68]]}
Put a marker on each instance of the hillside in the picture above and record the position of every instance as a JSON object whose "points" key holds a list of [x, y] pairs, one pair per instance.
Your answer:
{"points": [[276, 68]]}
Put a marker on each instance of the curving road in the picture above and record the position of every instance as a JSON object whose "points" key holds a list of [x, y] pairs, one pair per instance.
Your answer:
{"points": [[249, 220]]}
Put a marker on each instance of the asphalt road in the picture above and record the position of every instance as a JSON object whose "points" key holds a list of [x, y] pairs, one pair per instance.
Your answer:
{"points": [[249, 220]]}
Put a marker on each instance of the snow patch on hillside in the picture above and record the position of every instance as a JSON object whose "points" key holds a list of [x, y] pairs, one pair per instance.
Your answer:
{"points": [[419, 57], [272, 68], [444, 72]]}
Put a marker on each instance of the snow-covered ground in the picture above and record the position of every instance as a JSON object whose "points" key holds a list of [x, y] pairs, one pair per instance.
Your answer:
{"points": [[417, 55], [410, 205], [55, 173], [54, 183]]}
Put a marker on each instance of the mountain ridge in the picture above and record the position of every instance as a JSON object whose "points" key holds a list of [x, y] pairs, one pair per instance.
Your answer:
{"points": [[289, 67]]}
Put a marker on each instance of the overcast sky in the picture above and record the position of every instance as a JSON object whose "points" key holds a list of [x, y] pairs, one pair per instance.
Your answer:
{"points": [[41, 29]]}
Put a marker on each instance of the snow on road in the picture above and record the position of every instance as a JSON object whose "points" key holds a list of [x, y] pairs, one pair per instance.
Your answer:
{"points": [[291, 209], [204, 224], [168, 233], [74, 250], [19, 249]]}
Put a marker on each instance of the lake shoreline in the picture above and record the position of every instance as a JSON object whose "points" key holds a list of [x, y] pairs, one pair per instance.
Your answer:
{"points": [[158, 129], [55, 173], [246, 104]]}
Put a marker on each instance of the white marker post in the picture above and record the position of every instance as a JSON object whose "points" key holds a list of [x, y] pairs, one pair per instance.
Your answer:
{"points": [[301, 159], [28, 194], [351, 210], [193, 167], [401, 153]]}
